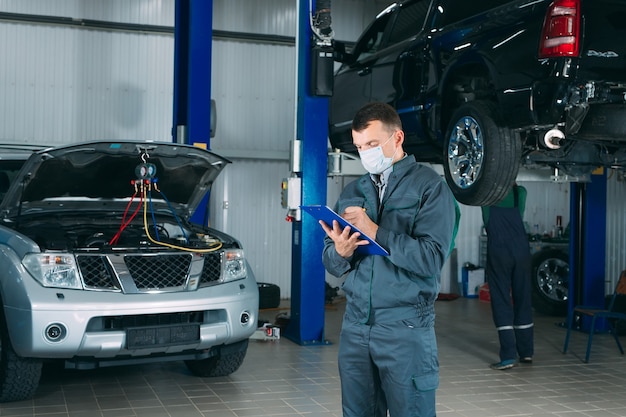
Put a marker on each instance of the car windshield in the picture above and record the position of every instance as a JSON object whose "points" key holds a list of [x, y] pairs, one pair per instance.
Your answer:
{"points": [[409, 22], [371, 41]]}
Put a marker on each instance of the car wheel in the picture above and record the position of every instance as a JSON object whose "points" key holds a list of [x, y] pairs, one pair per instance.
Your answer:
{"points": [[19, 377], [550, 279], [225, 363], [481, 158]]}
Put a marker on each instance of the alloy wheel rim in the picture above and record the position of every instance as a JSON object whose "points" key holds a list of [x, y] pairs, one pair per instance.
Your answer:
{"points": [[465, 152], [552, 277]]}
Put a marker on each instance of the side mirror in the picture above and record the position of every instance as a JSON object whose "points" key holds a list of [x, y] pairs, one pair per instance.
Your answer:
{"points": [[340, 54]]}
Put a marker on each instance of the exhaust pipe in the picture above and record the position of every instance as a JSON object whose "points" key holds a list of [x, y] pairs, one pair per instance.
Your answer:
{"points": [[552, 138]]}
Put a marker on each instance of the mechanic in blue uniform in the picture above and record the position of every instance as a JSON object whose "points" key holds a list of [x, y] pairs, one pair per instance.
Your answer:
{"points": [[508, 275], [388, 353]]}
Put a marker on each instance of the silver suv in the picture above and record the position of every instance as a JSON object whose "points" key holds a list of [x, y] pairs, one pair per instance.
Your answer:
{"points": [[101, 265]]}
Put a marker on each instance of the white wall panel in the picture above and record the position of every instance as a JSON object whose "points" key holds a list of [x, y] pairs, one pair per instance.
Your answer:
{"points": [[544, 202], [48, 8], [350, 17], [279, 17], [615, 229], [275, 17], [245, 202], [36, 105], [151, 12], [254, 97], [99, 85]]}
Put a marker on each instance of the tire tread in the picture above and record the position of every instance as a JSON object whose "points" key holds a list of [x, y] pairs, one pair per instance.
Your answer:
{"points": [[502, 156]]}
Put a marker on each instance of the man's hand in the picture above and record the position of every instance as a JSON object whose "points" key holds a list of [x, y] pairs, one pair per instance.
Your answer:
{"points": [[359, 218], [346, 242]]}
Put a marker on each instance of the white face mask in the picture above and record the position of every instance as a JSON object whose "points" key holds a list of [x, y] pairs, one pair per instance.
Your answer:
{"points": [[374, 160]]}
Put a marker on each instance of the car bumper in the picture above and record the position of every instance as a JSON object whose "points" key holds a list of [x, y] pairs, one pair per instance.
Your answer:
{"points": [[68, 324]]}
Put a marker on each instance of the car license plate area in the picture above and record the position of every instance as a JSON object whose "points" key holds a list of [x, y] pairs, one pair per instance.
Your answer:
{"points": [[144, 337]]}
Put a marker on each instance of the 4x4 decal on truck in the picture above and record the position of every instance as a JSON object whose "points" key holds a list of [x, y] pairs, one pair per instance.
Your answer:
{"points": [[609, 54]]}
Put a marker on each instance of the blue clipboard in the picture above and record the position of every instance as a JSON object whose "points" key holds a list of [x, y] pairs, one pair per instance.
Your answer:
{"points": [[327, 215]]}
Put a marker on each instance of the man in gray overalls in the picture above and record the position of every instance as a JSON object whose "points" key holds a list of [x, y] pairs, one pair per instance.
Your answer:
{"points": [[388, 350], [508, 275]]}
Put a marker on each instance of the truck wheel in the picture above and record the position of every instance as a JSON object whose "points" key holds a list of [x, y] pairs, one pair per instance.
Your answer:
{"points": [[550, 278], [225, 363], [481, 158], [19, 377]]}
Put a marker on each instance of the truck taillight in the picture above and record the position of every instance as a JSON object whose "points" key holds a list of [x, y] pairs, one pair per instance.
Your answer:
{"points": [[561, 30]]}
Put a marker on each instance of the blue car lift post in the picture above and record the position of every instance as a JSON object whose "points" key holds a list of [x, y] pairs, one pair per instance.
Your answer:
{"points": [[192, 80], [587, 247], [306, 324], [192, 116]]}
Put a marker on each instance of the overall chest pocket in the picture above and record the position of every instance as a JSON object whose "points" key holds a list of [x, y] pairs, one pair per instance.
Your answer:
{"points": [[351, 202], [401, 212]]}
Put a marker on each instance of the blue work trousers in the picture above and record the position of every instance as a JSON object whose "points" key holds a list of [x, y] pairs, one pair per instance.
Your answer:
{"points": [[508, 275], [389, 366]]}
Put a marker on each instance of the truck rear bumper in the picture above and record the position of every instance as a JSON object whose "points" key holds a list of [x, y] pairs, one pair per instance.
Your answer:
{"points": [[605, 122]]}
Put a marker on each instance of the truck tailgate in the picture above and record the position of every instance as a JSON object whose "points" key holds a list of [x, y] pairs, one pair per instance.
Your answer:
{"points": [[603, 52]]}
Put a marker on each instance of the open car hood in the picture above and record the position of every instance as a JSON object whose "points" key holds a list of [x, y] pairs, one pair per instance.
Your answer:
{"points": [[103, 176]]}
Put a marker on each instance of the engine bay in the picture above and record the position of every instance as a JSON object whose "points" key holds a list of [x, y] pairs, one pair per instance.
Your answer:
{"points": [[79, 234]]}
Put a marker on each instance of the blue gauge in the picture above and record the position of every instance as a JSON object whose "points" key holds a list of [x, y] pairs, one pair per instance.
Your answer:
{"points": [[145, 171]]}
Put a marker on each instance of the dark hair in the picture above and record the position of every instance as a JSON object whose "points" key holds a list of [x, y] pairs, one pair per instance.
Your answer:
{"points": [[376, 111]]}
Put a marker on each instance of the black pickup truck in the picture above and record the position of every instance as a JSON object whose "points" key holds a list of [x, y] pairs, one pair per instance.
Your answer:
{"points": [[486, 86]]}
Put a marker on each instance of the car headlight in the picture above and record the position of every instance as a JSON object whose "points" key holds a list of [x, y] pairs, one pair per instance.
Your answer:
{"points": [[53, 270], [233, 265]]}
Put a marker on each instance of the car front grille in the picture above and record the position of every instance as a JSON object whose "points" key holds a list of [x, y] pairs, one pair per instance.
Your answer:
{"points": [[164, 319], [137, 273], [212, 268], [97, 273], [161, 271]]}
